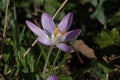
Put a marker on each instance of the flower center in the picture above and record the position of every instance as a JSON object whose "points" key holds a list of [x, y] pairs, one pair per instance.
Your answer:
{"points": [[56, 37]]}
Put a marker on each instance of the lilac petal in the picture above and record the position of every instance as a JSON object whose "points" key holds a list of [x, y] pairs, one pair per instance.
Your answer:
{"points": [[48, 33], [47, 22], [66, 22], [71, 35], [52, 77], [64, 47], [43, 37], [44, 41], [34, 28]]}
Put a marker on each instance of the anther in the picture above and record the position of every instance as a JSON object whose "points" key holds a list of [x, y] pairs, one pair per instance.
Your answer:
{"points": [[55, 31]]}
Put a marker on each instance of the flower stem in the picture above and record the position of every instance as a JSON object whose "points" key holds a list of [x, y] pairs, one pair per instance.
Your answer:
{"points": [[54, 61], [46, 62]]}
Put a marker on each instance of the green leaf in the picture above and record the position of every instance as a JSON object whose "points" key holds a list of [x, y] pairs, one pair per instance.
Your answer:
{"points": [[64, 77], [105, 69], [114, 34], [6, 69], [6, 57], [107, 38], [115, 20], [104, 39], [38, 77], [99, 70], [2, 5], [99, 14], [94, 2]]}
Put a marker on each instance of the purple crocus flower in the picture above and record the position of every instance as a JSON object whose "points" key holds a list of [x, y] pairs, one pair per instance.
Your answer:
{"points": [[52, 77], [55, 35]]}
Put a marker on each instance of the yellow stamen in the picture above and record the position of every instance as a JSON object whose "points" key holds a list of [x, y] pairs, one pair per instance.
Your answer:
{"points": [[62, 33], [55, 31]]}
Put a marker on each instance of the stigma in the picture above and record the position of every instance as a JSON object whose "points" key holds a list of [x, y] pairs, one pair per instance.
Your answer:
{"points": [[57, 32], [56, 37]]}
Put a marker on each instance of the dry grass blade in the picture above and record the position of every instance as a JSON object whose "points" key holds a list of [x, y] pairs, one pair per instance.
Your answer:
{"points": [[59, 9], [29, 47], [4, 30], [5, 22]]}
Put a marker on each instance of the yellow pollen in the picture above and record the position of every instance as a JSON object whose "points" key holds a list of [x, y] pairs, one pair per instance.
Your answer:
{"points": [[55, 31], [62, 33]]}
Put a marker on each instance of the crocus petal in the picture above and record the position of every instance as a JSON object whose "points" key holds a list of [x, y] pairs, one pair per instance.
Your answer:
{"points": [[44, 40], [66, 22], [52, 77], [71, 35], [43, 37], [64, 47], [47, 22], [34, 28]]}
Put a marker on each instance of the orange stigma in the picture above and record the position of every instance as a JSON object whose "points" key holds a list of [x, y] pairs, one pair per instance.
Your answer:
{"points": [[55, 31], [62, 33]]}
